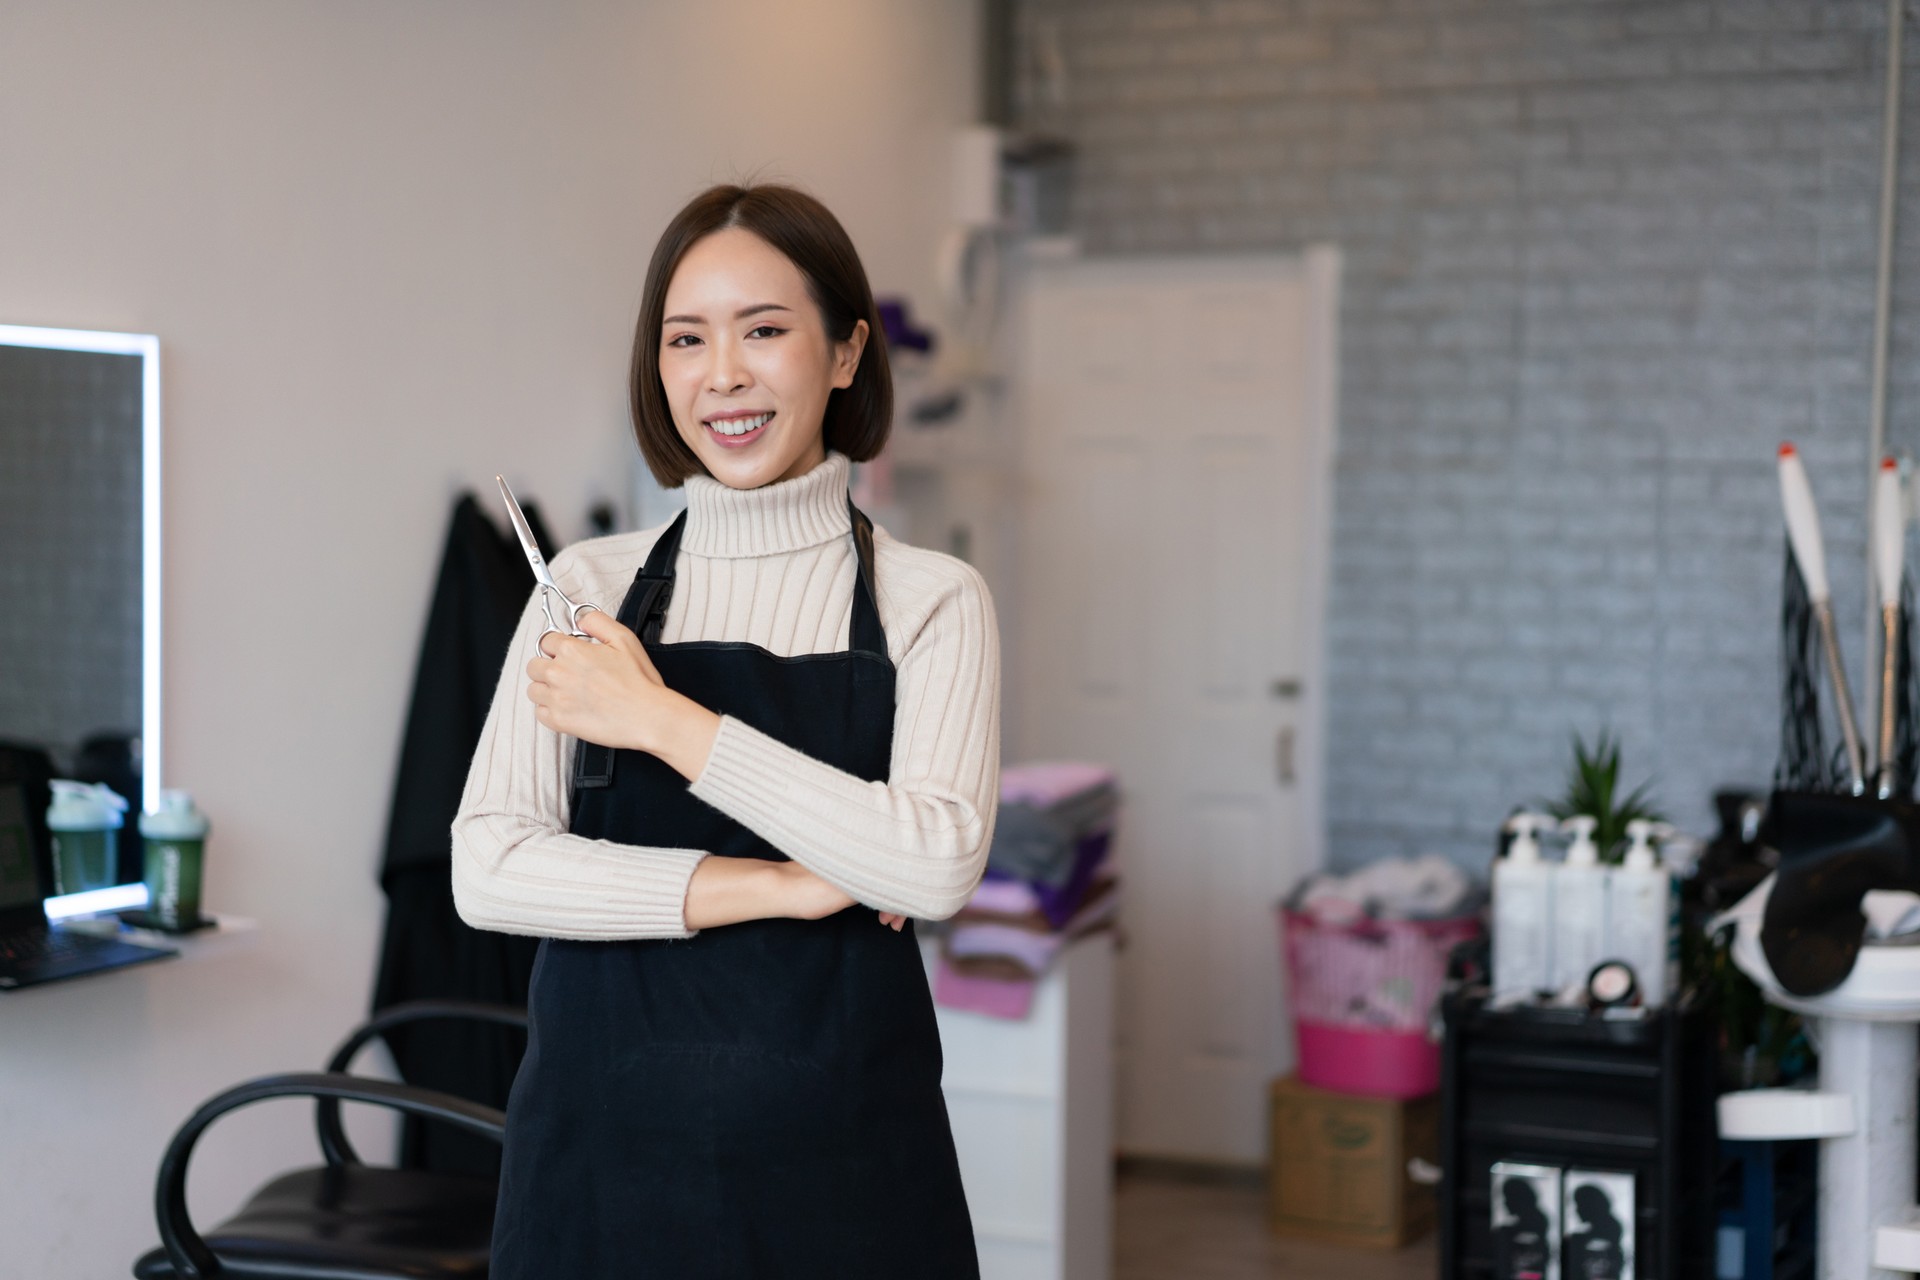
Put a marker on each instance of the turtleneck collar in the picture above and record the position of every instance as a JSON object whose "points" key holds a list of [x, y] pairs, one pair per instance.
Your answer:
{"points": [[784, 516]]}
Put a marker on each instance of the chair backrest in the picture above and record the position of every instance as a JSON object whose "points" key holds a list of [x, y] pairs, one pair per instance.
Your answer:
{"points": [[333, 1136]]}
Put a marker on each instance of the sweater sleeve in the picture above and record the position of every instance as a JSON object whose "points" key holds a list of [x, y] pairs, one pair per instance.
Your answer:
{"points": [[516, 868], [917, 843]]}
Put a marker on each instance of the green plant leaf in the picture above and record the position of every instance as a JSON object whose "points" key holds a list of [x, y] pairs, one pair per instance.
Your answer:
{"points": [[1592, 787]]}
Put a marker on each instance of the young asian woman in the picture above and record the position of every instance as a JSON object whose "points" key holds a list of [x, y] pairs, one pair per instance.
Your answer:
{"points": [[723, 811]]}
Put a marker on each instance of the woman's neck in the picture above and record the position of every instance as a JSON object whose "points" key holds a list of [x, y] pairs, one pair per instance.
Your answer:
{"points": [[786, 515]]}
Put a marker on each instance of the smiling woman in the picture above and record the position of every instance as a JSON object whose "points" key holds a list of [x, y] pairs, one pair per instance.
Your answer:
{"points": [[770, 314], [754, 374], [723, 811]]}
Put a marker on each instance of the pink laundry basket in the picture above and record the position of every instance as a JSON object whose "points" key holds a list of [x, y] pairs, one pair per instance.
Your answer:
{"points": [[1363, 994]]}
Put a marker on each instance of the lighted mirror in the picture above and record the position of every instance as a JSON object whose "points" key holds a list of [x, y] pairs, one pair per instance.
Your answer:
{"points": [[80, 568]]}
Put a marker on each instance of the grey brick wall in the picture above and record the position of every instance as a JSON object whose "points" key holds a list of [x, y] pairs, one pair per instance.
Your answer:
{"points": [[1602, 256]]}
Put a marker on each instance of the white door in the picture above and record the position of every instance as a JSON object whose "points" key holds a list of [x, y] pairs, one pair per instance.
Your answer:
{"points": [[1177, 421]]}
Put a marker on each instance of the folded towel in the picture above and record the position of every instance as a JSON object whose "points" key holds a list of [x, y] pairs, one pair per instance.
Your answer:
{"points": [[1002, 895], [994, 997], [1045, 784], [1040, 845]]}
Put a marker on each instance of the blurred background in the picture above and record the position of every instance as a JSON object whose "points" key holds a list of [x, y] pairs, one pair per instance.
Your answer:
{"points": [[1358, 408]]}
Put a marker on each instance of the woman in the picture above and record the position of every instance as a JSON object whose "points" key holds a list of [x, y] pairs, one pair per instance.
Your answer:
{"points": [[787, 750]]}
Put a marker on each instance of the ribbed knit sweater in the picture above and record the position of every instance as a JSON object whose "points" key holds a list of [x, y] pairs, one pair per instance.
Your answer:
{"points": [[773, 567]]}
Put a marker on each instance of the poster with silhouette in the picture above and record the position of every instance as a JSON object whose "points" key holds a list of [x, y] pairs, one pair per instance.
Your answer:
{"points": [[1526, 1222], [1596, 1220]]}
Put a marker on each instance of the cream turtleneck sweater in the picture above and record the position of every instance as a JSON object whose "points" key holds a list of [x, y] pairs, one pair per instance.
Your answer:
{"points": [[773, 567]]}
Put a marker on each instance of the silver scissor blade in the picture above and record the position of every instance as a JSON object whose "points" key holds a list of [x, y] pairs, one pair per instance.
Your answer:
{"points": [[525, 533]]}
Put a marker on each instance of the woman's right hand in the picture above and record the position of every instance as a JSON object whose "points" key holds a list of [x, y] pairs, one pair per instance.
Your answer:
{"points": [[817, 899]]}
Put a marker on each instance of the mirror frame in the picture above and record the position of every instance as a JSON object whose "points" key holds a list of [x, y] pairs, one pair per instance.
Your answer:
{"points": [[147, 347]]}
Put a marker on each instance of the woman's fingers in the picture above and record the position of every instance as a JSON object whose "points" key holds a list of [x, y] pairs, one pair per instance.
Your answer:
{"points": [[602, 626], [547, 650], [600, 689], [608, 629]]}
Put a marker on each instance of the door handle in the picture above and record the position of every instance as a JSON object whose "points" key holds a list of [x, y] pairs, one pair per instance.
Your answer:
{"points": [[1283, 756]]}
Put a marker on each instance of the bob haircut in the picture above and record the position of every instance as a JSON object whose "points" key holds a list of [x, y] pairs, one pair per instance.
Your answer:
{"points": [[858, 416]]}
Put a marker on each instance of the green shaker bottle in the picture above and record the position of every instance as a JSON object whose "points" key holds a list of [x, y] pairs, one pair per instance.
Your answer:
{"points": [[176, 843], [85, 820]]}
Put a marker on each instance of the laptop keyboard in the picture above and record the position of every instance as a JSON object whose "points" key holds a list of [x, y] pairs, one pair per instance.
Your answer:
{"points": [[39, 947]]}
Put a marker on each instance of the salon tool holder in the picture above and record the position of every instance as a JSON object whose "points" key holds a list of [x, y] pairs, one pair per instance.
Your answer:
{"points": [[1810, 760]]}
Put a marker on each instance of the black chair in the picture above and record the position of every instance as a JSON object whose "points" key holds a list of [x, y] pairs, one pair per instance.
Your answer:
{"points": [[343, 1220]]}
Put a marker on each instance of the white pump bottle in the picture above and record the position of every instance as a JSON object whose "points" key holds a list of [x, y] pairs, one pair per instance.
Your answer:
{"points": [[1522, 913], [1643, 916], [1579, 907]]}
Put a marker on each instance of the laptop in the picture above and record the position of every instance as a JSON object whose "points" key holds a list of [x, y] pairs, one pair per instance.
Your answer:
{"points": [[33, 951]]}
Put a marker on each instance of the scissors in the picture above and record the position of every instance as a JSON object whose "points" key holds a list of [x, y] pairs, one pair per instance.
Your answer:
{"points": [[544, 576]]}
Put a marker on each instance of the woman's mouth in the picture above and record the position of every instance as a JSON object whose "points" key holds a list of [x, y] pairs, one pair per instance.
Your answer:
{"points": [[732, 433]]}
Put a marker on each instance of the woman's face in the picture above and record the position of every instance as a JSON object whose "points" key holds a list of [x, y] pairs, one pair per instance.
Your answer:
{"points": [[746, 360]]}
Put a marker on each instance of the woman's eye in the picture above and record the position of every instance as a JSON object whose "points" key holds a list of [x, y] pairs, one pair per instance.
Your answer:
{"points": [[682, 340], [765, 329]]}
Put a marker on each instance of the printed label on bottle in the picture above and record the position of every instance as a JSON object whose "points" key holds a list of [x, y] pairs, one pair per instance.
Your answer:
{"points": [[166, 902]]}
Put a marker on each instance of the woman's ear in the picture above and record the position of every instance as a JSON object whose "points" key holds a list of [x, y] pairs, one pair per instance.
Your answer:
{"points": [[846, 355]]}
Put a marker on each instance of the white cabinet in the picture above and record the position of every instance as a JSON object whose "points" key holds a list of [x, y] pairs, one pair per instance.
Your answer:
{"points": [[1032, 1109]]}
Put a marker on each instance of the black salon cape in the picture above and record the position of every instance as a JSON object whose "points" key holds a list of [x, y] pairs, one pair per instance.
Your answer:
{"points": [[428, 951]]}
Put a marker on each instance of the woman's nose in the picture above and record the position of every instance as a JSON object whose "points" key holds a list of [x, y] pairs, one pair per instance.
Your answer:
{"points": [[728, 371]]}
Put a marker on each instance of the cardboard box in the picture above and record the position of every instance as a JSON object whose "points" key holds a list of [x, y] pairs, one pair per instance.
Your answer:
{"points": [[1337, 1166]]}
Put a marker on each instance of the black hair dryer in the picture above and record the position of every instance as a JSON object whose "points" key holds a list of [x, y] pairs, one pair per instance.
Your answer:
{"points": [[1833, 849]]}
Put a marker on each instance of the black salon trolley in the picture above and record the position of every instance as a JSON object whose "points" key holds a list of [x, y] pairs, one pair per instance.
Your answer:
{"points": [[1571, 1089]]}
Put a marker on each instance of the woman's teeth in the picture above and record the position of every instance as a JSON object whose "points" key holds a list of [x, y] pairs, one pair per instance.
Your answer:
{"points": [[740, 426]]}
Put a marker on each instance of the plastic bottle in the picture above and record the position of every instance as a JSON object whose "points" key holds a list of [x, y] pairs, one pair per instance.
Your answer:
{"points": [[1579, 907], [1522, 913], [1642, 913], [175, 837], [85, 820]]}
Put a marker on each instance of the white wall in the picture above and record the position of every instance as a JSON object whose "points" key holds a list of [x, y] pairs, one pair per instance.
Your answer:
{"points": [[389, 249]]}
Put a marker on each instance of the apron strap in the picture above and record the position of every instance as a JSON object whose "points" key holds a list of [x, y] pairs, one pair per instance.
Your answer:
{"points": [[641, 613], [865, 634], [645, 609]]}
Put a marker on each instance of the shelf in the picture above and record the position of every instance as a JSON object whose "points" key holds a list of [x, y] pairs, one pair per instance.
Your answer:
{"points": [[1580, 1141], [1495, 1056]]}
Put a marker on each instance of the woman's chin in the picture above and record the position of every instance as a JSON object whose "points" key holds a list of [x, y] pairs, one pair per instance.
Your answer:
{"points": [[757, 463], [741, 469]]}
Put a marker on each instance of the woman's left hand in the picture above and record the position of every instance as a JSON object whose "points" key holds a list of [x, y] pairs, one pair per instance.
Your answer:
{"points": [[611, 694]]}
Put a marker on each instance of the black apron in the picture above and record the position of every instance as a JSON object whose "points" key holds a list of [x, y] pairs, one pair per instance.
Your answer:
{"points": [[760, 1100]]}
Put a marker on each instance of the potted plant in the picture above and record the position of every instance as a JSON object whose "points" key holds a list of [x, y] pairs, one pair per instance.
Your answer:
{"points": [[1593, 787]]}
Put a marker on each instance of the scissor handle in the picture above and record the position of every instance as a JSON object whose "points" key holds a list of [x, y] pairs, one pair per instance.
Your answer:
{"points": [[573, 614]]}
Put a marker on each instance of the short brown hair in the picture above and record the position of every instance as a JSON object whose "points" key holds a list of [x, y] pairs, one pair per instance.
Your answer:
{"points": [[859, 415]]}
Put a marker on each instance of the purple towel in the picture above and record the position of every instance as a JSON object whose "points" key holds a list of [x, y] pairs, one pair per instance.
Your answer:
{"points": [[1058, 905]]}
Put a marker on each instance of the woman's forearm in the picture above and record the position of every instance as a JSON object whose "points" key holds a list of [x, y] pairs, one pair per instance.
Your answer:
{"points": [[733, 890], [682, 735], [728, 891], [914, 848], [914, 843]]}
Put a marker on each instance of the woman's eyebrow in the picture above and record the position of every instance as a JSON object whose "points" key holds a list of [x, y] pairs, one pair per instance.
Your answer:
{"points": [[741, 314]]}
